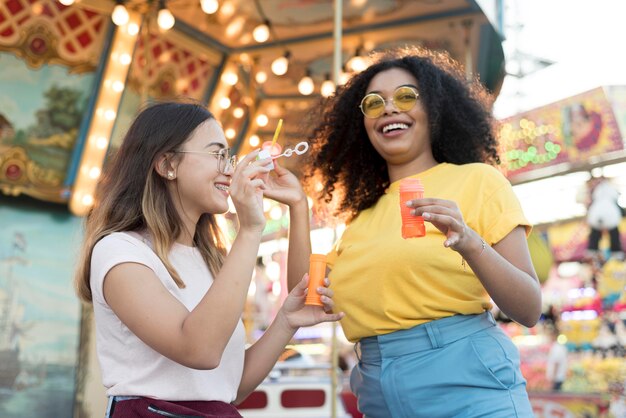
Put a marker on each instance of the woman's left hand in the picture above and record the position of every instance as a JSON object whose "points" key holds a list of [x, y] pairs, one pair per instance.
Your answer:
{"points": [[283, 186], [297, 314], [446, 216]]}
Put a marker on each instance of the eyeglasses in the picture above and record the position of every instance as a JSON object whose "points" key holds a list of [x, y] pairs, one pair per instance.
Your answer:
{"points": [[404, 99], [224, 159]]}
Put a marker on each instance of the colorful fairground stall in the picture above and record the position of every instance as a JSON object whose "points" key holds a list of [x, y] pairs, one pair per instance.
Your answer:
{"points": [[73, 74], [567, 161]]}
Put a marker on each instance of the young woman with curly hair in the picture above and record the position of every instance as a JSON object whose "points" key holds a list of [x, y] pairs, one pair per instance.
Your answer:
{"points": [[418, 309]]}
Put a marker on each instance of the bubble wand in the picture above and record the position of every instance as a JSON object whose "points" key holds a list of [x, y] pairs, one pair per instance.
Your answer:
{"points": [[280, 125], [299, 149]]}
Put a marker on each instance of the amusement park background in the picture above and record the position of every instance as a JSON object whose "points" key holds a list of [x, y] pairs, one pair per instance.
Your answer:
{"points": [[71, 80]]}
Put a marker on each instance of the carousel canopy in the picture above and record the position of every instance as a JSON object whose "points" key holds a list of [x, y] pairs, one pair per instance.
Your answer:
{"points": [[77, 72]]}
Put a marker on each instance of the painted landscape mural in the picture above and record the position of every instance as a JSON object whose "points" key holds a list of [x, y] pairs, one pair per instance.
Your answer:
{"points": [[40, 115]]}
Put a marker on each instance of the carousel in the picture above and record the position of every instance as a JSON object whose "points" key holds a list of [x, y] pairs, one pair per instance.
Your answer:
{"points": [[73, 73]]}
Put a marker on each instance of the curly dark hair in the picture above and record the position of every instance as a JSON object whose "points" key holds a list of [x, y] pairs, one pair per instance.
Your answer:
{"points": [[459, 117]]}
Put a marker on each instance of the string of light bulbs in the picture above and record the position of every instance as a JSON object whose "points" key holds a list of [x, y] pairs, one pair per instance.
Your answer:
{"points": [[262, 33], [165, 18]]}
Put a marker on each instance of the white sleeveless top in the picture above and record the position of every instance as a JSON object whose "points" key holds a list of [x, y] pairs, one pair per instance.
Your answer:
{"points": [[132, 368]]}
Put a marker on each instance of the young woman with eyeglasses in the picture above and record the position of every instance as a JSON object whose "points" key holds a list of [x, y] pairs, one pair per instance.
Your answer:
{"points": [[167, 298], [418, 309]]}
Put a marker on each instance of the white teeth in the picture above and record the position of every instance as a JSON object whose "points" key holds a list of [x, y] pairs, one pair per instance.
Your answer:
{"points": [[389, 127], [222, 187]]}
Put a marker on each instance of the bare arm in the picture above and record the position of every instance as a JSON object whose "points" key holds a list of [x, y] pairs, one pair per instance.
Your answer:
{"points": [[285, 188], [194, 339], [261, 357], [299, 243], [507, 272]]}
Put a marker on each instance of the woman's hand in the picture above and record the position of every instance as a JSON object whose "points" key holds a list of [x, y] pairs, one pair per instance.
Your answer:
{"points": [[446, 217], [296, 314], [246, 191], [284, 186]]}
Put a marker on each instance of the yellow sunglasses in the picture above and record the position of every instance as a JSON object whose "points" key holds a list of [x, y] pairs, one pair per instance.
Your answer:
{"points": [[404, 99]]}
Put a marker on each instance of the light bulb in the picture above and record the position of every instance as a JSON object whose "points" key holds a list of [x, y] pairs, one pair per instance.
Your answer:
{"points": [[357, 64], [165, 19], [133, 29], [261, 77], [262, 120], [87, 200], [224, 103], [344, 77], [281, 64], [328, 88], [261, 33], [306, 86], [238, 112], [209, 6], [120, 15], [94, 172], [254, 140], [109, 114], [125, 59], [102, 142], [66, 2], [117, 86], [235, 27], [227, 9], [230, 78]]}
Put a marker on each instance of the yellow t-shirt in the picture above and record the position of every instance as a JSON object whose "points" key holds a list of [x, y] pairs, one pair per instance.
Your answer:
{"points": [[385, 283]]}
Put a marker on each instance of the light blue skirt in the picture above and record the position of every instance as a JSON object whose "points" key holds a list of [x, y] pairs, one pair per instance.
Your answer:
{"points": [[461, 366]]}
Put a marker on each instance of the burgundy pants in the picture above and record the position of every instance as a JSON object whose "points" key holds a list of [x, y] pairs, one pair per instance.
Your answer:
{"points": [[154, 408]]}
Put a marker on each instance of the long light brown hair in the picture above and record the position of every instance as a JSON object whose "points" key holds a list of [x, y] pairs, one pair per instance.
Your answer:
{"points": [[132, 196]]}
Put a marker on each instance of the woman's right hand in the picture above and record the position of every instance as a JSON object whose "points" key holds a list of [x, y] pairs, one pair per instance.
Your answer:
{"points": [[246, 191], [284, 187]]}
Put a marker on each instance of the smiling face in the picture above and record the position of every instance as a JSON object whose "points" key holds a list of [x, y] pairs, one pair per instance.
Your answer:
{"points": [[401, 138], [199, 186]]}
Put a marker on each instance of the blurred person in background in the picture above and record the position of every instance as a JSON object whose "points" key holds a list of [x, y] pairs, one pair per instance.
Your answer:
{"points": [[556, 364]]}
